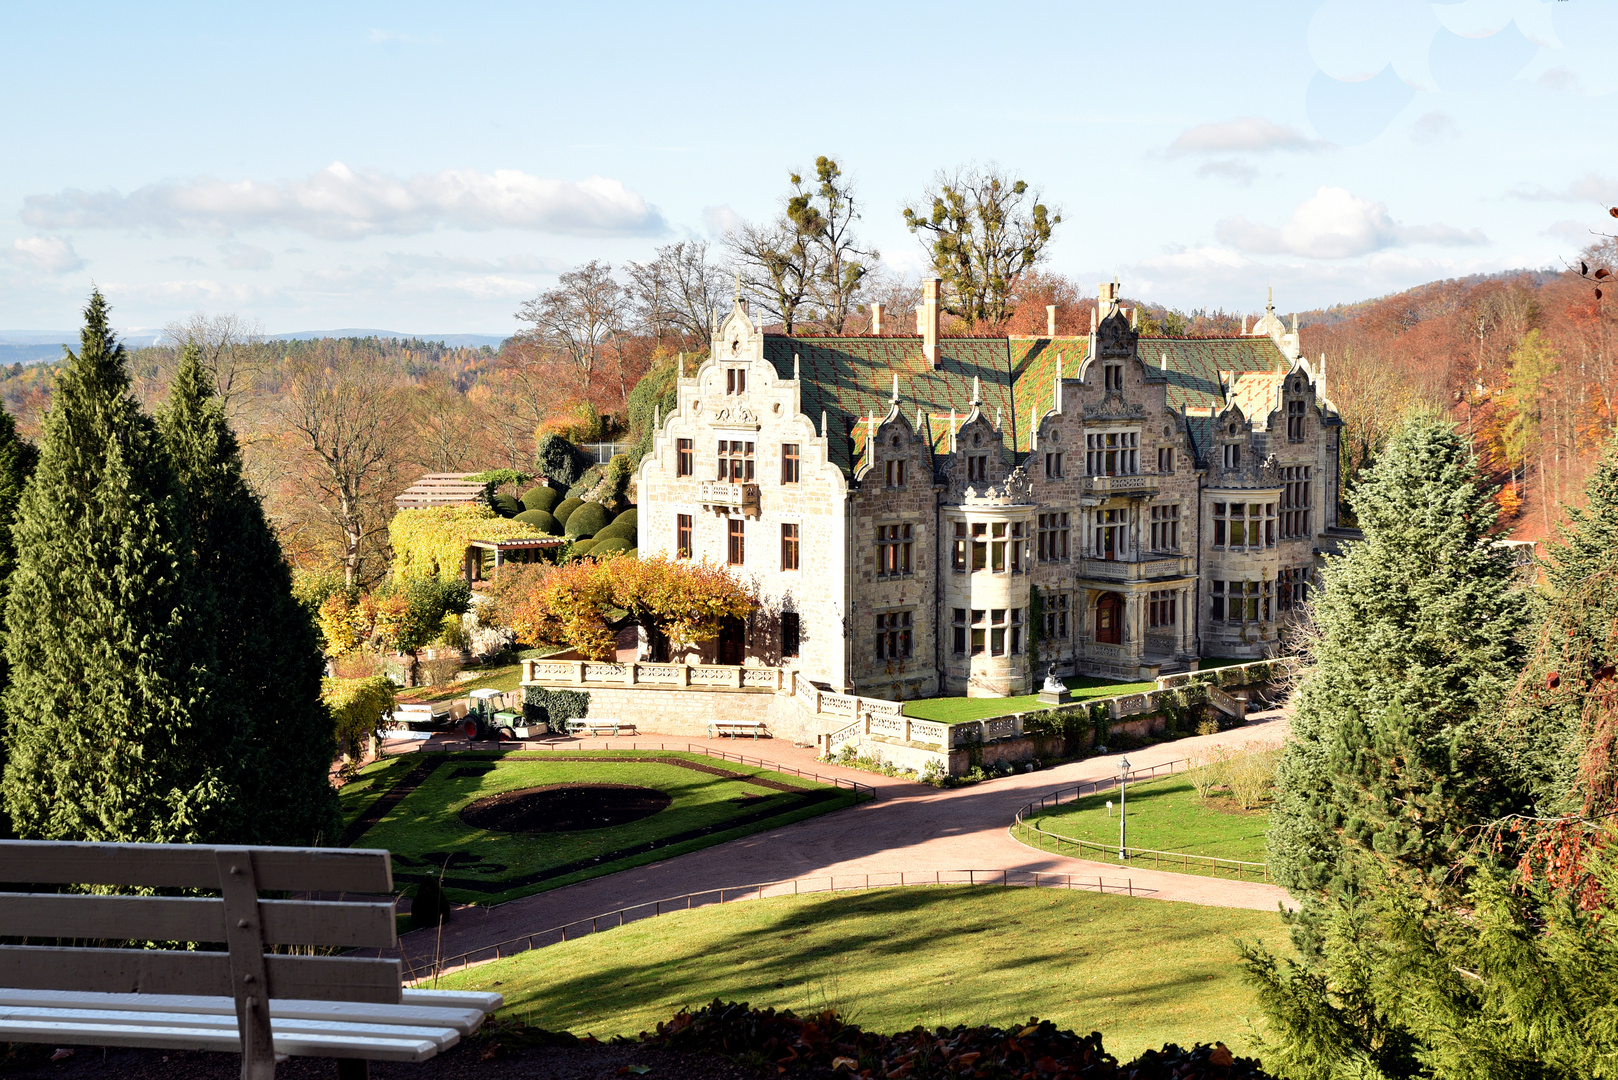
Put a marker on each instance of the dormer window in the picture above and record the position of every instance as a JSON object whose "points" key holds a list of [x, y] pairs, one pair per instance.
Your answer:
{"points": [[977, 467], [1295, 421], [895, 472], [1233, 455], [1114, 376], [736, 380]]}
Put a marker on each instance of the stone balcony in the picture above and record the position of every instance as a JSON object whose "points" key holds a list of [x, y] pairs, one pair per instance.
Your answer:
{"points": [[1138, 484], [1151, 568], [726, 498]]}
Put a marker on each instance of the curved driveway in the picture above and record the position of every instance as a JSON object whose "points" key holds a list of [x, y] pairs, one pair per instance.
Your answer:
{"points": [[910, 827]]}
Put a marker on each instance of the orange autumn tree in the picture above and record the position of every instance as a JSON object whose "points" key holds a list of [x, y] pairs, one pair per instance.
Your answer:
{"points": [[584, 604]]}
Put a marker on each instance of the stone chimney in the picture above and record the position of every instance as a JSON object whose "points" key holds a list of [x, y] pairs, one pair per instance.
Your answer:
{"points": [[1050, 320], [927, 319], [876, 320]]}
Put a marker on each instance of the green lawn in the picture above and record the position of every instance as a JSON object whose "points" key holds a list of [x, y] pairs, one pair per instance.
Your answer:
{"points": [[1164, 815], [954, 710], [1142, 972], [424, 829]]}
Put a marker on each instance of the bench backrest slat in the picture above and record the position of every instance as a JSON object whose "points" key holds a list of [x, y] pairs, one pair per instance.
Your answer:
{"points": [[185, 866], [158, 971], [184, 918]]}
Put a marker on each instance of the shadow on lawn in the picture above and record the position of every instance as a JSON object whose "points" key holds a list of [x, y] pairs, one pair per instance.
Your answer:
{"points": [[836, 950]]}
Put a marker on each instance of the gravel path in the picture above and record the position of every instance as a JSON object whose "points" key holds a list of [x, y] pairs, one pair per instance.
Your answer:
{"points": [[910, 827]]}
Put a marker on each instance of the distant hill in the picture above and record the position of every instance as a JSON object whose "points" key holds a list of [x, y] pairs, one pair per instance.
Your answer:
{"points": [[471, 341]]}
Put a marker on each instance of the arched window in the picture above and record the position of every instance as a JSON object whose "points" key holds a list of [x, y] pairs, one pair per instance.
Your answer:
{"points": [[1110, 619]]}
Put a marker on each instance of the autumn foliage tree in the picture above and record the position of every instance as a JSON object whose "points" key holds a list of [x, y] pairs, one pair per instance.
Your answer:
{"points": [[585, 603]]}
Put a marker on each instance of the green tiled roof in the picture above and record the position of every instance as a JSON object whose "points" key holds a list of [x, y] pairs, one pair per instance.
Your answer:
{"points": [[851, 378]]}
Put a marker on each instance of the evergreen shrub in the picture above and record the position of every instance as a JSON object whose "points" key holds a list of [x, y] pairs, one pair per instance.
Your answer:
{"points": [[428, 906], [583, 547], [587, 520], [540, 520], [560, 461], [564, 510], [608, 546], [541, 497], [506, 506]]}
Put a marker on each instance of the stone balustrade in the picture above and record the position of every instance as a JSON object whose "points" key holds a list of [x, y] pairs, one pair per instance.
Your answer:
{"points": [[586, 673]]}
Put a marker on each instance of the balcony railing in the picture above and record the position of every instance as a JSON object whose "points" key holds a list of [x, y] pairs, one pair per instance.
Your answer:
{"points": [[735, 498], [1146, 569], [1138, 484]]}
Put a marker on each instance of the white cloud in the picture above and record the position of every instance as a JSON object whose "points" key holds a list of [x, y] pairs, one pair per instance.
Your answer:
{"points": [[1433, 127], [1591, 187], [1337, 224], [509, 264], [1228, 169], [719, 220], [246, 257], [1250, 134], [50, 254], [339, 203]]}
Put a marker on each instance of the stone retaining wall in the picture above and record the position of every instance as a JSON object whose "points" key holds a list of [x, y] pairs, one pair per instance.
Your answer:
{"points": [[687, 712]]}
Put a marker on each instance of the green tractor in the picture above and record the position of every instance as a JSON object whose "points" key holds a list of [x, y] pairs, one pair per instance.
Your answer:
{"points": [[485, 720]]}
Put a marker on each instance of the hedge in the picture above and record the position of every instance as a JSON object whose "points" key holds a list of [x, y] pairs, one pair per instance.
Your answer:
{"points": [[357, 708], [432, 541], [556, 707]]}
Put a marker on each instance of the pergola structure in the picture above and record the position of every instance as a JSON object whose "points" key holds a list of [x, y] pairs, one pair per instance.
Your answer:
{"points": [[484, 558]]}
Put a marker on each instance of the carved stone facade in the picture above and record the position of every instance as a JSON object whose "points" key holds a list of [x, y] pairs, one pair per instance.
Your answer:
{"points": [[1161, 500]]}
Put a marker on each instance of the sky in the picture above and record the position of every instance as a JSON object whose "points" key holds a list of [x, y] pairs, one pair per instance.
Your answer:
{"points": [[425, 168]]}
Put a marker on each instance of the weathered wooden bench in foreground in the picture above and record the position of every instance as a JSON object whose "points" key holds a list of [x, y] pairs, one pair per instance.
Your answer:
{"points": [[248, 999]]}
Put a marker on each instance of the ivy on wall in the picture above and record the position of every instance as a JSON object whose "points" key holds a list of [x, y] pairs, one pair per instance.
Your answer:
{"points": [[432, 541]]}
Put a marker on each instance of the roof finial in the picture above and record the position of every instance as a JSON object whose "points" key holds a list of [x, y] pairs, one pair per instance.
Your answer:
{"points": [[657, 416], [977, 394], [997, 418], [895, 397], [822, 423], [1294, 322], [795, 376], [1269, 305], [738, 286], [1163, 361]]}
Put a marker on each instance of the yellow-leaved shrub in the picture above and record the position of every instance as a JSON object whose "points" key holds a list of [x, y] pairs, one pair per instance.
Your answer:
{"points": [[433, 540]]}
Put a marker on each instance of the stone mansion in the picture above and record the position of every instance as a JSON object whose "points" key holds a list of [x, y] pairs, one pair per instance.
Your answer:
{"points": [[928, 515]]}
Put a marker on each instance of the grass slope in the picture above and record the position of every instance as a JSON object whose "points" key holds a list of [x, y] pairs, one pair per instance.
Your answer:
{"points": [[425, 827], [954, 710], [1142, 972], [1165, 815]]}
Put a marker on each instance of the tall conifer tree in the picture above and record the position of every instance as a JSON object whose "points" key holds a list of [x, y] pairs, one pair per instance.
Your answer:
{"points": [[276, 735], [17, 459], [104, 712], [1418, 634]]}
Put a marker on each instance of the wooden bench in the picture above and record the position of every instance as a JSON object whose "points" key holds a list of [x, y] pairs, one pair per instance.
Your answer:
{"points": [[734, 728], [248, 999], [596, 727]]}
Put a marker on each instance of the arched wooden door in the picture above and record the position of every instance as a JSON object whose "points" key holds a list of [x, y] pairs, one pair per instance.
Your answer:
{"points": [[1110, 619]]}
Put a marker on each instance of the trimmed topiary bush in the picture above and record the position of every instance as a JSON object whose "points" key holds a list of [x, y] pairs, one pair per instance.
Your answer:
{"points": [[583, 547], [610, 545], [539, 519], [564, 510], [541, 497], [632, 553], [622, 532], [630, 517], [429, 906], [587, 520], [506, 506]]}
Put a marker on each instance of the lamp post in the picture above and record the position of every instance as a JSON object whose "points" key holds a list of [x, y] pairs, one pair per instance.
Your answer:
{"points": [[1123, 802]]}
